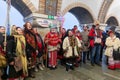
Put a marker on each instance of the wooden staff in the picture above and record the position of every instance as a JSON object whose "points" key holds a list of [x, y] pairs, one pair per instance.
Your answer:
{"points": [[46, 55], [5, 41], [7, 22]]}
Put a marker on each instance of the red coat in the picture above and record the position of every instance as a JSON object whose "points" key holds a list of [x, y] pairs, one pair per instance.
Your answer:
{"points": [[92, 36], [53, 39]]}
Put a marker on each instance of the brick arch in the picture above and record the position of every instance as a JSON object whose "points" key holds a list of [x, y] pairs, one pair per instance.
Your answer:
{"points": [[103, 10], [25, 7], [78, 4]]}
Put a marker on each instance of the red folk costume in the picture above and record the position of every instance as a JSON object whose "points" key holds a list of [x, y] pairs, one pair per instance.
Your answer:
{"points": [[75, 29], [2, 58], [78, 35], [31, 46], [52, 41]]}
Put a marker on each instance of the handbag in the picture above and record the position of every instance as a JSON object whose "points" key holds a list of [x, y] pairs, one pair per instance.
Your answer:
{"points": [[3, 61], [116, 54], [18, 64]]}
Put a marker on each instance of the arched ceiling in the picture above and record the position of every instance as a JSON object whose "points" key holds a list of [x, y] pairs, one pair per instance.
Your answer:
{"points": [[82, 15], [103, 10], [99, 9], [112, 21], [114, 10], [25, 7]]}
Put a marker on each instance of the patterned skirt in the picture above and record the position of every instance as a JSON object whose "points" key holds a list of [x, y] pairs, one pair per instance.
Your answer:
{"points": [[113, 64]]}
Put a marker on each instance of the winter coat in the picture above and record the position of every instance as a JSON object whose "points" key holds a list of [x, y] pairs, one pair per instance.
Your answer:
{"points": [[68, 49], [85, 40], [111, 45]]}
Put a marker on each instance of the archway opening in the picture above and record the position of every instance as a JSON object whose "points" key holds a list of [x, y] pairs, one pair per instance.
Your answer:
{"points": [[16, 18], [81, 15], [22, 7], [70, 21], [112, 21]]}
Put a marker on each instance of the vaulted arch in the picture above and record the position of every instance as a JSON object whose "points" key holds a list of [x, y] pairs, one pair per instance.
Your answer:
{"points": [[103, 10], [82, 12], [112, 21], [25, 7]]}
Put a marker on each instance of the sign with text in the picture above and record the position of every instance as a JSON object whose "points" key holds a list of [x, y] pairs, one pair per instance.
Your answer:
{"points": [[44, 22]]}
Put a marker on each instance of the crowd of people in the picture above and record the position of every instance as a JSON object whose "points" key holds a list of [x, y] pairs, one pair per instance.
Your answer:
{"points": [[24, 51]]}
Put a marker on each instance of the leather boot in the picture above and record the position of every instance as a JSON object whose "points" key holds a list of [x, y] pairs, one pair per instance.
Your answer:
{"points": [[30, 73], [67, 67]]}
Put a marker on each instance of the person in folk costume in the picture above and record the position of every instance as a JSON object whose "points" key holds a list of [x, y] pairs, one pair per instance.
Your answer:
{"points": [[52, 41], [8, 46], [70, 46], [112, 43], [2, 38], [79, 58], [11, 72], [60, 53], [13, 30], [75, 29], [14, 68], [31, 48], [40, 45], [21, 60], [10, 54], [77, 33], [85, 43], [2, 54], [95, 38]]}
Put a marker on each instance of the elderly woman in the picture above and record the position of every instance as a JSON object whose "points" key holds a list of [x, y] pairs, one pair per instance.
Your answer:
{"points": [[112, 43]]}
